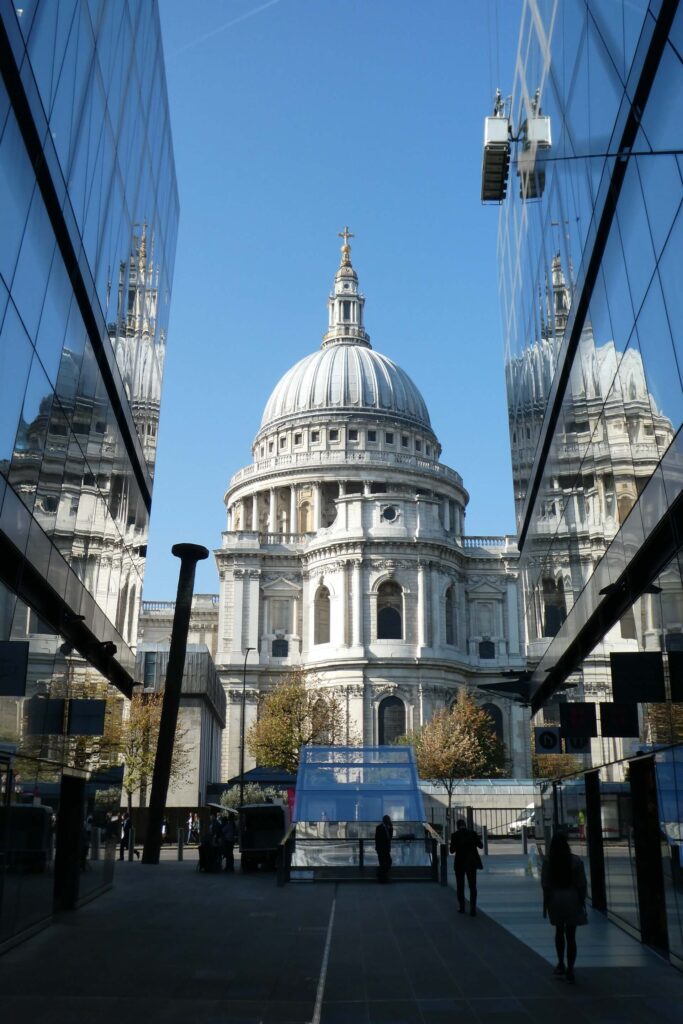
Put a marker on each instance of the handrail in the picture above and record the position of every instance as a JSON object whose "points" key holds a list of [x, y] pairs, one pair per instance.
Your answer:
{"points": [[290, 832], [431, 832]]}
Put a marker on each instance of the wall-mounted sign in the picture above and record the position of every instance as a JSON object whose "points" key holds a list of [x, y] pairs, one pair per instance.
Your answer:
{"points": [[548, 739]]}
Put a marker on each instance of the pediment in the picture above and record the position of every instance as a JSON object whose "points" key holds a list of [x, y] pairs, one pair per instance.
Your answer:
{"points": [[281, 585], [486, 588]]}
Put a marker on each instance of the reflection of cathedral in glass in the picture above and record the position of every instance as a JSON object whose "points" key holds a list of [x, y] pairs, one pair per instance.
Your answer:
{"points": [[606, 447], [139, 343], [590, 287], [346, 554], [89, 215]]}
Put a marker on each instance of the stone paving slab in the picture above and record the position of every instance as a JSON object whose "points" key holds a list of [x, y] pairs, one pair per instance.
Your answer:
{"points": [[170, 945]]}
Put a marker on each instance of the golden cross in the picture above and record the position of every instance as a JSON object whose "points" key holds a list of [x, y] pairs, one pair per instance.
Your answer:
{"points": [[345, 234]]}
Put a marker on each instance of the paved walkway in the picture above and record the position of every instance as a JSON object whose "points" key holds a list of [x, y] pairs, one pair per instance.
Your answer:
{"points": [[172, 945]]}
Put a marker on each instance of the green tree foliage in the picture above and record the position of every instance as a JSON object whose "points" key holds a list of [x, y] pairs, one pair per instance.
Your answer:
{"points": [[253, 794], [554, 766], [138, 745], [297, 712], [664, 723], [458, 743]]}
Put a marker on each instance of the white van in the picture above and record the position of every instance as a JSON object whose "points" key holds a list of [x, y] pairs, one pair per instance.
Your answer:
{"points": [[528, 818]]}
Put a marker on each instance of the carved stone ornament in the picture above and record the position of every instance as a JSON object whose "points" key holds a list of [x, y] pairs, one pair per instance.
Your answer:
{"points": [[383, 689], [254, 574], [234, 694], [355, 690], [239, 574], [390, 564], [275, 577]]}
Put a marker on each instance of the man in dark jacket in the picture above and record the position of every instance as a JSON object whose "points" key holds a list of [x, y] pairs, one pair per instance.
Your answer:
{"points": [[465, 844], [383, 835]]}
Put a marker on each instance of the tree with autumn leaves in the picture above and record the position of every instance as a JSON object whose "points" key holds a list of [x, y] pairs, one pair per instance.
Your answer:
{"points": [[137, 745], [459, 742], [295, 713]]}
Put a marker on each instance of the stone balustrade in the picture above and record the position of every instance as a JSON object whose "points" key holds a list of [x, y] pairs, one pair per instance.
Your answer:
{"points": [[305, 460]]}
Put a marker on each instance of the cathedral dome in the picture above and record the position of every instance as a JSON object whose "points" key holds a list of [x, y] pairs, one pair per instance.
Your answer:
{"points": [[346, 377], [346, 374]]}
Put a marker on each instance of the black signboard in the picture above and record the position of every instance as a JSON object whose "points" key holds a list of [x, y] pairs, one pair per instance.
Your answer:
{"points": [[86, 717], [578, 719], [577, 745], [638, 677], [13, 666], [676, 676], [619, 720], [45, 716], [548, 739]]}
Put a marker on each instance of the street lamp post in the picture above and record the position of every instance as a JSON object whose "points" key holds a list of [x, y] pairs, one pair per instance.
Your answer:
{"points": [[244, 711]]}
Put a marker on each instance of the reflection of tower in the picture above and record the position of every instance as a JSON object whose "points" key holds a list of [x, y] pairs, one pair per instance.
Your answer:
{"points": [[608, 443], [139, 352]]}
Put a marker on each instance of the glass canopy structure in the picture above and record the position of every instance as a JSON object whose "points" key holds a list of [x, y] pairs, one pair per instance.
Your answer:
{"points": [[358, 784]]}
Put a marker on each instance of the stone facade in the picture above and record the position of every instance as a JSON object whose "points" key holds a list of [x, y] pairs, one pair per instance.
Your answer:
{"points": [[345, 553]]}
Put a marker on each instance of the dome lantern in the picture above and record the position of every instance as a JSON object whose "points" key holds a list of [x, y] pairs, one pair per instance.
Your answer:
{"points": [[345, 304], [346, 374]]}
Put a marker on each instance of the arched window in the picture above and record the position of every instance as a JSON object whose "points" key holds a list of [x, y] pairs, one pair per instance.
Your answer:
{"points": [[391, 720], [305, 518], [496, 716], [450, 616], [389, 608], [487, 649], [322, 616], [554, 606]]}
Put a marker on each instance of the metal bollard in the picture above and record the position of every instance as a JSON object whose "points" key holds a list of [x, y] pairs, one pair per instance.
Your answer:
{"points": [[443, 874], [95, 844], [131, 843], [181, 842], [361, 854], [485, 839], [525, 841]]}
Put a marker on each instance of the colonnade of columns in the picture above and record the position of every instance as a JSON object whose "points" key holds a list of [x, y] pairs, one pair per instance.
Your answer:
{"points": [[243, 514], [350, 625], [351, 621]]}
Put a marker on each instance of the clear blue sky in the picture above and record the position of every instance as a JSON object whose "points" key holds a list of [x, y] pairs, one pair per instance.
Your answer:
{"points": [[291, 119]]}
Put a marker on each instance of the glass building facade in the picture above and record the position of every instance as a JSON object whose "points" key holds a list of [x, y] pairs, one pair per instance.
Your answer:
{"points": [[88, 215], [590, 251]]}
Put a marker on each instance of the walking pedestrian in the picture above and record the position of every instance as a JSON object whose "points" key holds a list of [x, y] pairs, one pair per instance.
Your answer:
{"points": [[564, 900], [125, 836], [383, 836], [465, 844]]}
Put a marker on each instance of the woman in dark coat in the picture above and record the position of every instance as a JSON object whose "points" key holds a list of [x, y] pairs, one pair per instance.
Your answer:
{"points": [[564, 894]]}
